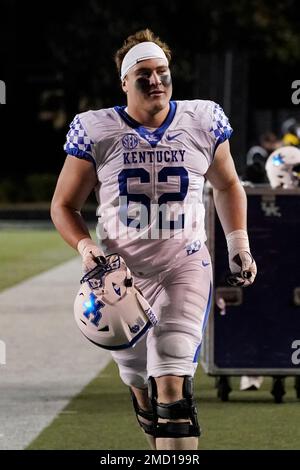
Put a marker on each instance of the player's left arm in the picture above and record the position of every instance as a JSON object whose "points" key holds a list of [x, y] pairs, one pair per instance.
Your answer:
{"points": [[231, 205], [227, 190]]}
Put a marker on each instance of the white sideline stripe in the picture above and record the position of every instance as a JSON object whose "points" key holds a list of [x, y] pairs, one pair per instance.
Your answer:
{"points": [[48, 361]]}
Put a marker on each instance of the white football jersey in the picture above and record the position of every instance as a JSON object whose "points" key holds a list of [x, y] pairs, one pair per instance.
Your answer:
{"points": [[150, 182]]}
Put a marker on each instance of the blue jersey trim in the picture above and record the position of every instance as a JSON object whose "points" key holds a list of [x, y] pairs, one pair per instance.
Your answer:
{"points": [[197, 353], [153, 138], [81, 155], [225, 136]]}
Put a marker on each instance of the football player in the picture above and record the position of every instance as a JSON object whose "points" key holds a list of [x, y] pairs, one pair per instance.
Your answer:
{"points": [[147, 163]]}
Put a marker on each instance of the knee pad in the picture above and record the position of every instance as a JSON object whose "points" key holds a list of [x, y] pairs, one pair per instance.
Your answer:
{"points": [[175, 346], [181, 409], [148, 415]]}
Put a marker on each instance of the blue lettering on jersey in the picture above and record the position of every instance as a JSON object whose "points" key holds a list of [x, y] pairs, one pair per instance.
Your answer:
{"points": [[165, 198], [145, 201], [150, 156]]}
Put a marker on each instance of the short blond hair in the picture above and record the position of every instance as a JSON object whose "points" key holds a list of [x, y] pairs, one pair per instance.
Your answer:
{"points": [[134, 39]]}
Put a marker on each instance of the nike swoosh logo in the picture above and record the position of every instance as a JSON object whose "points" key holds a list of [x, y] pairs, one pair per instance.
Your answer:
{"points": [[205, 263], [172, 137]]}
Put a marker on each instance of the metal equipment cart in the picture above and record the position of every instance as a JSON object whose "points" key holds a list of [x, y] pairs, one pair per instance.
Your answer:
{"points": [[256, 331]]}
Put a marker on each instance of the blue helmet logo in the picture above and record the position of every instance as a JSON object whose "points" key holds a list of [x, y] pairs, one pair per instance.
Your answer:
{"points": [[277, 160]]}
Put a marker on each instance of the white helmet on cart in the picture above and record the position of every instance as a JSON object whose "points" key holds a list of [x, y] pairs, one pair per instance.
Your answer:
{"points": [[283, 167]]}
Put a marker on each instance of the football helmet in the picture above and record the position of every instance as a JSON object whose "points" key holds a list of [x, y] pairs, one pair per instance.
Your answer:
{"points": [[109, 310], [283, 167]]}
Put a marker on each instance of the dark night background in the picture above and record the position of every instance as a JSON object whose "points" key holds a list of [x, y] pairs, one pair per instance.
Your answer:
{"points": [[57, 60]]}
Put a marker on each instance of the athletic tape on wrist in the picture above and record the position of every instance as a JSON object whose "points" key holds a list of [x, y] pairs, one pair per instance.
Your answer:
{"points": [[237, 241]]}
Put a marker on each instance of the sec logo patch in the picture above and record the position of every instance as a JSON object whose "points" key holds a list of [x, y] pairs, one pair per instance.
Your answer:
{"points": [[130, 141]]}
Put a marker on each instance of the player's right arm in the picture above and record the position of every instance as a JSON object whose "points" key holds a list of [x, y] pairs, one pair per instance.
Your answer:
{"points": [[76, 181]]}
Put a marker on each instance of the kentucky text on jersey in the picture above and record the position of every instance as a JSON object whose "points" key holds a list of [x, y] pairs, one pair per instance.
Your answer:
{"points": [[151, 156]]}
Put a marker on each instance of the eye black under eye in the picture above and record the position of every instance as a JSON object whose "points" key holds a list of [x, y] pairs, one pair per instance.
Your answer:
{"points": [[143, 74]]}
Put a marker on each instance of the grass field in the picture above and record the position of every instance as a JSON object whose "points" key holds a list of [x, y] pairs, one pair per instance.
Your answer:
{"points": [[101, 416], [25, 252]]}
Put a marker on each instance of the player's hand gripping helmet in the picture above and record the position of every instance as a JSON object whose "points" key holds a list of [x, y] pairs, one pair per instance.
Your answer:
{"points": [[109, 309], [283, 167]]}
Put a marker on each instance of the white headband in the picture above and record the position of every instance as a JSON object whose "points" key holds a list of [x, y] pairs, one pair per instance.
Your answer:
{"points": [[142, 51]]}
